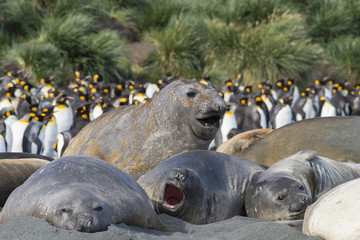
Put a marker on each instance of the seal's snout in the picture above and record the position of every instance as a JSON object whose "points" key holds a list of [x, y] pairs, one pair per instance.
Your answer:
{"points": [[85, 222], [300, 205]]}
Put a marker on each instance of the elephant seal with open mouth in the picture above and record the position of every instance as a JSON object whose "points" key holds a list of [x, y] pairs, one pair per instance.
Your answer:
{"points": [[82, 193], [200, 186], [184, 116]]}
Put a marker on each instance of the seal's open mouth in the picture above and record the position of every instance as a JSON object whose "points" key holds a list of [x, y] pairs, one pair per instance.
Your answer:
{"points": [[173, 196], [212, 121]]}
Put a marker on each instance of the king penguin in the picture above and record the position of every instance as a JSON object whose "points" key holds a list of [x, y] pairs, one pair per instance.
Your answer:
{"points": [[281, 114], [33, 136], [50, 135], [18, 129], [63, 113], [326, 108], [10, 119], [228, 122], [63, 140]]}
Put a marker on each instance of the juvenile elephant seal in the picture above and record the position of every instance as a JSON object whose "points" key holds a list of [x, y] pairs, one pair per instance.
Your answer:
{"points": [[14, 172], [82, 193], [332, 137], [335, 215], [200, 186], [183, 116], [286, 189], [242, 141], [23, 155]]}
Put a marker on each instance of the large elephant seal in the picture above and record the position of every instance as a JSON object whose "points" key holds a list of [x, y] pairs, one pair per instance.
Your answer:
{"points": [[286, 189], [242, 141], [14, 172], [335, 215], [332, 137], [200, 186], [183, 116], [84, 194]]}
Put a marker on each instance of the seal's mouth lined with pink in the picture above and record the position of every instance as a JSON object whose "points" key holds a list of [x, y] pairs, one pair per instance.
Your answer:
{"points": [[173, 196]]}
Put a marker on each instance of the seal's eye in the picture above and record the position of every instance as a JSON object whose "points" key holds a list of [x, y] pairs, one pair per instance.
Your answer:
{"points": [[98, 209], [191, 94], [301, 187], [64, 210], [281, 197]]}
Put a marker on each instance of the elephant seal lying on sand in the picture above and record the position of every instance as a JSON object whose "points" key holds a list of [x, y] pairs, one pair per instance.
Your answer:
{"points": [[242, 141], [200, 186], [84, 194], [286, 189], [332, 137], [184, 116], [15, 171]]}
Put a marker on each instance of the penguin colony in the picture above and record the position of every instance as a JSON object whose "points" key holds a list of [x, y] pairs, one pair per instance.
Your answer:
{"points": [[43, 119], [275, 105]]}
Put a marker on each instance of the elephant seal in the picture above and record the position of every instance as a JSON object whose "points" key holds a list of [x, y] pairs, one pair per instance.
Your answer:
{"points": [[22, 155], [200, 186], [332, 137], [14, 172], [82, 193], [183, 116], [335, 215], [286, 189], [242, 141]]}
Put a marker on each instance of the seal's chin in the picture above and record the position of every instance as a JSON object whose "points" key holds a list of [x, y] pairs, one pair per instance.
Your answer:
{"points": [[213, 121], [206, 127], [173, 198]]}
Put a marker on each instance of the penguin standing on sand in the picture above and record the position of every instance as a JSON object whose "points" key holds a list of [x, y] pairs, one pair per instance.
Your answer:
{"points": [[268, 99], [263, 112], [81, 118], [340, 102], [25, 102], [140, 95], [228, 122], [63, 140], [50, 136], [303, 107], [281, 114], [34, 135], [326, 108], [9, 119], [18, 128], [151, 89], [247, 117], [3, 145], [63, 113], [207, 80]]}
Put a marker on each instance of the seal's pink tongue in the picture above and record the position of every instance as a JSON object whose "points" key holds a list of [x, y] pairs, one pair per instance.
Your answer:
{"points": [[173, 195]]}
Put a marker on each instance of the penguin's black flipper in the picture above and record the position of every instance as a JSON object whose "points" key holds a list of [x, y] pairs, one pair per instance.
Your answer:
{"points": [[31, 136]]}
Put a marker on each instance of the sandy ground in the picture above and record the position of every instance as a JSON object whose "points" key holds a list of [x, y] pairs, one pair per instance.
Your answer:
{"points": [[28, 227]]}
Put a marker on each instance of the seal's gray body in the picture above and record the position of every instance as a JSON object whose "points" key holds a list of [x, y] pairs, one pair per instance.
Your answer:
{"points": [[200, 186], [332, 137], [285, 189], [14, 172], [183, 116], [81, 193]]}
